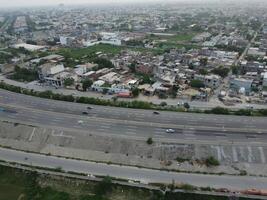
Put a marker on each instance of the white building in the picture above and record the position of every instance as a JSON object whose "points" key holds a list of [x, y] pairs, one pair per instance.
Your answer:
{"points": [[107, 38], [119, 88], [98, 86]]}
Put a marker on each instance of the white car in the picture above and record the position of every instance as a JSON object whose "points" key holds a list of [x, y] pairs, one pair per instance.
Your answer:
{"points": [[170, 131], [90, 176]]}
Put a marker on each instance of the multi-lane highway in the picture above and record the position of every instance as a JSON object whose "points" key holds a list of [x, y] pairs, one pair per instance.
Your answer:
{"points": [[121, 121]]}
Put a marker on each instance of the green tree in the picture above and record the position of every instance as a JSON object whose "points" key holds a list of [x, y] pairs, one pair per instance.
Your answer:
{"points": [[197, 84], [68, 82], [235, 70], [203, 61], [135, 92], [132, 67], [86, 83], [203, 71], [103, 63], [23, 74], [103, 187], [221, 71]]}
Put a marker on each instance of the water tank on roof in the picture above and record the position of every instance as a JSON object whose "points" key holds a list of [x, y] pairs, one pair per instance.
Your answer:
{"points": [[242, 90]]}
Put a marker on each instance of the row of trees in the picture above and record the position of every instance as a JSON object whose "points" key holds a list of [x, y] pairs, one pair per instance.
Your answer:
{"points": [[23, 74], [126, 104]]}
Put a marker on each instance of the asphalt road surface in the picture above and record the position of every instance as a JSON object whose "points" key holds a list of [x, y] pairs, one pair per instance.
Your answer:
{"points": [[132, 122], [134, 173]]}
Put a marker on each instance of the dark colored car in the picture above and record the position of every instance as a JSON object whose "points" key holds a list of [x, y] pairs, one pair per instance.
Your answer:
{"points": [[85, 113], [156, 113]]}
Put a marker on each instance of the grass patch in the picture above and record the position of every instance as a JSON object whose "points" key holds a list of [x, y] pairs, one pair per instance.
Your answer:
{"points": [[10, 191], [182, 37]]}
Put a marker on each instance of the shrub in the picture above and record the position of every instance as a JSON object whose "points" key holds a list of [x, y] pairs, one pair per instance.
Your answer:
{"points": [[149, 141], [104, 186], [186, 105], [135, 92], [180, 159], [211, 161], [220, 111], [187, 187], [245, 112], [163, 104], [243, 173], [263, 112]]}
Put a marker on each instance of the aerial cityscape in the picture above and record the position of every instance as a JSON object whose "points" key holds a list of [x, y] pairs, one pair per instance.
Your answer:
{"points": [[115, 100]]}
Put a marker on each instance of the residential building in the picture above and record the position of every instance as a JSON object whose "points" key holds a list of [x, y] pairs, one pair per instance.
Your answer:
{"points": [[240, 84], [211, 81]]}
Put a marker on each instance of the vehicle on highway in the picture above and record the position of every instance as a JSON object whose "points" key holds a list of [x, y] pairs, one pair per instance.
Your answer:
{"points": [[170, 130], [80, 122], [249, 107], [85, 113], [156, 113], [89, 108], [91, 176]]}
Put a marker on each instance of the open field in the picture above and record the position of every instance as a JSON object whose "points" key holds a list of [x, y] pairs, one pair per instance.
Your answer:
{"points": [[112, 50]]}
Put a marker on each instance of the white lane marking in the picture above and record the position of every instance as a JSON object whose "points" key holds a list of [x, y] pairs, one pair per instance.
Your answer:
{"points": [[160, 136], [263, 159], [12, 116], [131, 130], [190, 138], [249, 154], [133, 127], [102, 129], [218, 150], [235, 157], [32, 134], [105, 126], [130, 133]]}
